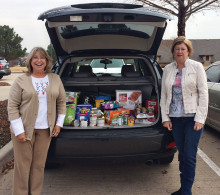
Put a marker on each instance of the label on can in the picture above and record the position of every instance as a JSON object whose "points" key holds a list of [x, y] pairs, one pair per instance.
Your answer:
{"points": [[114, 121], [125, 119], [120, 121], [76, 123], [83, 123], [130, 121], [100, 122], [92, 123]]}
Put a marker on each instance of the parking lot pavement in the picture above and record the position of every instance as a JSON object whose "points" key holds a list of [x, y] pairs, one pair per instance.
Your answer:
{"points": [[120, 179], [5, 89], [10, 78]]}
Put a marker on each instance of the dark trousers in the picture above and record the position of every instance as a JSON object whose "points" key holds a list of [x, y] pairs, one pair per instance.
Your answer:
{"points": [[187, 140]]}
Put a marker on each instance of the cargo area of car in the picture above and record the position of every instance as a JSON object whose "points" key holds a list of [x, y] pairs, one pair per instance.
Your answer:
{"points": [[89, 87]]}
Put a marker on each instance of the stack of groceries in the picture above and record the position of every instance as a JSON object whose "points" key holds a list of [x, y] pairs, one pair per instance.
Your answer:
{"points": [[100, 111]]}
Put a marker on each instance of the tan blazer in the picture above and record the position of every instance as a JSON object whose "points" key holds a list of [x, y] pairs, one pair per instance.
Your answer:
{"points": [[194, 90], [23, 102]]}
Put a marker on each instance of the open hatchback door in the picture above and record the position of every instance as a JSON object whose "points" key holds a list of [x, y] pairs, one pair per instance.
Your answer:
{"points": [[85, 27]]}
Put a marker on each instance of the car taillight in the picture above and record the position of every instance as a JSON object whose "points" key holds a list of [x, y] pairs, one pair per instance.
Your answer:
{"points": [[0, 66], [171, 145]]}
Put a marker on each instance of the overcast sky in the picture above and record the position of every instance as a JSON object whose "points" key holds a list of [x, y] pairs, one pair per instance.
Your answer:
{"points": [[22, 16]]}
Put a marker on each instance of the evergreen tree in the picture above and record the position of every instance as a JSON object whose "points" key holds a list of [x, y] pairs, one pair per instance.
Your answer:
{"points": [[10, 44], [51, 52]]}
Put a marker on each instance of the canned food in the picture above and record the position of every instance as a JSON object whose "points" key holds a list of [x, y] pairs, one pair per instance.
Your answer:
{"points": [[144, 110], [138, 110], [114, 121], [75, 123], [131, 121], [92, 123], [93, 118], [83, 123], [120, 121], [100, 122], [125, 119]]}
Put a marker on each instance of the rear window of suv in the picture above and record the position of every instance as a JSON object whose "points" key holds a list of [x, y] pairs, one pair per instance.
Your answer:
{"points": [[118, 67], [77, 30]]}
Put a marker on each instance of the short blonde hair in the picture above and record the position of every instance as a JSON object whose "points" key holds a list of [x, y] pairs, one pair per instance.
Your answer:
{"points": [[182, 39], [44, 54]]}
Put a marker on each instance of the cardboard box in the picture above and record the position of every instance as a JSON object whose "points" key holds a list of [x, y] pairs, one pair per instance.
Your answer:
{"points": [[83, 111], [109, 105], [114, 113], [129, 99], [153, 105]]}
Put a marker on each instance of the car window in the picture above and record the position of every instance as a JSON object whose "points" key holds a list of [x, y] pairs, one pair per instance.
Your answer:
{"points": [[107, 65], [137, 30], [213, 73], [112, 66]]}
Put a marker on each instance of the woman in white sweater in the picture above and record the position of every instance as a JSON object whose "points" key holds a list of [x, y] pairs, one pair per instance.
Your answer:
{"points": [[184, 107], [36, 110]]}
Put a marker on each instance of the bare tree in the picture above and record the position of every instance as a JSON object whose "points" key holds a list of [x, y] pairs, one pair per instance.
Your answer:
{"points": [[182, 9]]}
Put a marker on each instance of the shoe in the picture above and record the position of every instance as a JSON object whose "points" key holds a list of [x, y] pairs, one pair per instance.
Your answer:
{"points": [[177, 192]]}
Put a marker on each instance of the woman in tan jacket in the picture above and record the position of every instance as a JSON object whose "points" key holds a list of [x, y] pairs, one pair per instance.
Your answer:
{"points": [[184, 107], [36, 110]]}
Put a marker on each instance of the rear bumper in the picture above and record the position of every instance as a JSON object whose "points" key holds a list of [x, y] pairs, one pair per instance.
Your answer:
{"points": [[137, 143]]}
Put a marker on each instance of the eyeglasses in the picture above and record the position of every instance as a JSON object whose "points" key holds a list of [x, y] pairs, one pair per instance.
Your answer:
{"points": [[41, 58]]}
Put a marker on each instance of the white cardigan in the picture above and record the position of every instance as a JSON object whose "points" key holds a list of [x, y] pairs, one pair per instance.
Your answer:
{"points": [[194, 90]]}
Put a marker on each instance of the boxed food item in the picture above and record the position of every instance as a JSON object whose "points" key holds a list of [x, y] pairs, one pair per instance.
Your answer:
{"points": [[83, 111], [109, 105], [124, 111], [71, 97], [99, 99], [152, 105], [141, 113], [70, 114], [109, 114], [105, 98], [147, 121], [129, 99], [98, 103]]}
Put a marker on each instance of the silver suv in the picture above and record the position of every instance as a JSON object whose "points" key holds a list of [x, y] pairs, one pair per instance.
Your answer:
{"points": [[4, 67]]}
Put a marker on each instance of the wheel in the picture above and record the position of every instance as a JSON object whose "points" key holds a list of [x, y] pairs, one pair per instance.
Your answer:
{"points": [[166, 160]]}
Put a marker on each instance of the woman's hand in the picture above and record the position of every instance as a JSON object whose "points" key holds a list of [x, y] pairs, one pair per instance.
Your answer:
{"points": [[21, 137], [198, 126], [56, 131], [168, 125]]}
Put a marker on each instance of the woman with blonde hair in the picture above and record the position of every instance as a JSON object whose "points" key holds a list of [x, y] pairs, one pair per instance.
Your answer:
{"points": [[184, 107], [36, 110]]}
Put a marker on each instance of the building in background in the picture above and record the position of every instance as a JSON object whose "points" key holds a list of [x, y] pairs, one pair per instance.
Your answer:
{"points": [[206, 51]]}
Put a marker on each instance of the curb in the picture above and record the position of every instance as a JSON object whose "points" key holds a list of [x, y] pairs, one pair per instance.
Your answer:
{"points": [[6, 154]]}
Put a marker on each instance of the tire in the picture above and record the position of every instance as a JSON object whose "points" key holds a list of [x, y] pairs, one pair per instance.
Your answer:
{"points": [[166, 160], [1, 76]]}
